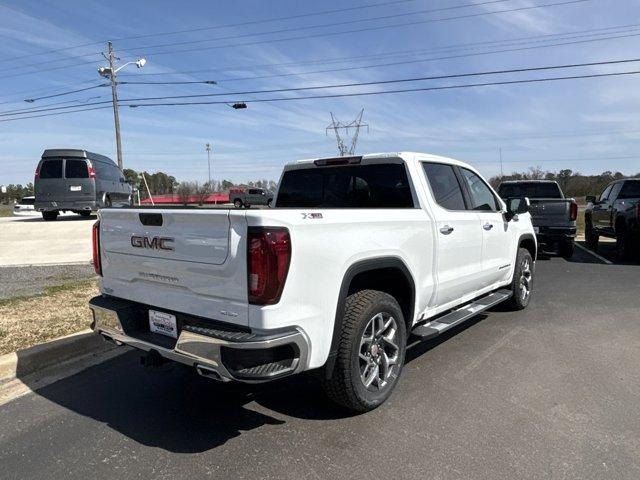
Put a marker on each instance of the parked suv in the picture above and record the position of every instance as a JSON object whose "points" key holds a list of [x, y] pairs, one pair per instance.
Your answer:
{"points": [[553, 216], [358, 254], [252, 196], [615, 214], [78, 181]]}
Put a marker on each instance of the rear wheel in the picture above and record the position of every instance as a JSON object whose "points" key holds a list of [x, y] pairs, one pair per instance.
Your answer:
{"points": [[371, 352], [624, 243], [237, 203], [591, 238], [85, 213], [567, 248], [522, 283], [107, 201], [49, 216]]}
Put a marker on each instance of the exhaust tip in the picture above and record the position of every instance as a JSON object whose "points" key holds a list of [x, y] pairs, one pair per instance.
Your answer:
{"points": [[209, 373]]}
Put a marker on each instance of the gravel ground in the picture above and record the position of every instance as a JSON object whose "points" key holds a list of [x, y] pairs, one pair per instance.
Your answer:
{"points": [[32, 280]]}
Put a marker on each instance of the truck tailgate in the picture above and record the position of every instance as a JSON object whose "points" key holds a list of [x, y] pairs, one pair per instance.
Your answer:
{"points": [[552, 212], [191, 261]]}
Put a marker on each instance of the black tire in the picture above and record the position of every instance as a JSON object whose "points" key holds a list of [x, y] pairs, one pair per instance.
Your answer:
{"points": [[107, 201], [237, 203], [567, 248], [346, 383], [85, 213], [591, 238], [624, 244], [519, 300], [49, 216]]}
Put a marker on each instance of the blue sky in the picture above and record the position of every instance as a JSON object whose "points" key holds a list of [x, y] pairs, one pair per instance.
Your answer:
{"points": [[589, 125]]}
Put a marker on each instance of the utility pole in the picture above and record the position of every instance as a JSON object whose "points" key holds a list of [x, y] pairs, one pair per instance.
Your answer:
{"points": [[114, 95], [110, 72], [208, 149], [336, 126]]}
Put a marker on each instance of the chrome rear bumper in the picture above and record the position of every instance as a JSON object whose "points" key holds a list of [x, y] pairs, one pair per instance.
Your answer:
{"points": [[242, 356]]}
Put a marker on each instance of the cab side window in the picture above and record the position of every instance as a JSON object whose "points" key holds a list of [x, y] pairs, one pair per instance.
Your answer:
{"points": [[482, 197]]}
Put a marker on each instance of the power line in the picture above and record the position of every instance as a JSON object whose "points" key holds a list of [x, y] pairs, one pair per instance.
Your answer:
{"points": [[53, 114], [365, 29], [407, 90], [622, 28], [379, 82], [323, 25], [424, 60], [31, 100], [192, 30], [402, 80], [67, 102], [209, 82]]}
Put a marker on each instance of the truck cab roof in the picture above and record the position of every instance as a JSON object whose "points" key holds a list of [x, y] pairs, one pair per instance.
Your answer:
{"points": [[372, 158]]}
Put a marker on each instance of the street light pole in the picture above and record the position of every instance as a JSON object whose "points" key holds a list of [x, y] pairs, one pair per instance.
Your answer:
{"points": [[114, 95], [208, 149], [111, 71]]}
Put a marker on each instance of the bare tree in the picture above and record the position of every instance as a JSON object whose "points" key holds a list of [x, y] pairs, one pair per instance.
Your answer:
{"points": [[202, 191], [185, 191]]}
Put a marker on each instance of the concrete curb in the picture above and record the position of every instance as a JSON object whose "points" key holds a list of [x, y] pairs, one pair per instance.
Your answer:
{"points": [[33, 359]]}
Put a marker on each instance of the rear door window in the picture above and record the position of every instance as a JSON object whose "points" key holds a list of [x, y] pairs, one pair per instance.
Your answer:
{"points": [[482, 197], [76, 169], [360, 186], [51, 169], [631, 189], [444, 185]]}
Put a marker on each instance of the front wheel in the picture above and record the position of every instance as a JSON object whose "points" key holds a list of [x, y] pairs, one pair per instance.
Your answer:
{"points": [[237, 203], [522, 283], [49, 216], [370, 353]]}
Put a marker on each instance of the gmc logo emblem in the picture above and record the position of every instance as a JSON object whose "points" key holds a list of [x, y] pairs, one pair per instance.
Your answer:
{"points": [[154, 243]]}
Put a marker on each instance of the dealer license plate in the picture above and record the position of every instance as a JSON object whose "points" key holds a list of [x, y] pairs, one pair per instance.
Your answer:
{"points": [[163, 323], [75, 188]]}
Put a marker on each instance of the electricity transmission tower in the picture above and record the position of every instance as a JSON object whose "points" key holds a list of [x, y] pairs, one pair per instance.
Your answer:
{"points": [[336, 126]]}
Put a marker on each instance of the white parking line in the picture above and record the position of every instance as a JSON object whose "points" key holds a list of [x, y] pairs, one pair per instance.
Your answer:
{"points": [[599, 257]]}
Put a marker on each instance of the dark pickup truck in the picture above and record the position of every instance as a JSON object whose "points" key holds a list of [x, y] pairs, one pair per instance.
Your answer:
{"points": [[615, 214], [553, 216]]}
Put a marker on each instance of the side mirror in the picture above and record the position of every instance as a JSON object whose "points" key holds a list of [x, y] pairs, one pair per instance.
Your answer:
{"points": [[590, 199], [517, 206]]}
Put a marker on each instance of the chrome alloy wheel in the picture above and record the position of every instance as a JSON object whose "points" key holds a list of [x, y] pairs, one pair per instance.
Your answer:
{"points": [[378, 354], [525, 279]]}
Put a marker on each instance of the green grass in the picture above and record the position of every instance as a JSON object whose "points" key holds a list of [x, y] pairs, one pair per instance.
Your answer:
{"points": [[60, 310], [6, 210]]}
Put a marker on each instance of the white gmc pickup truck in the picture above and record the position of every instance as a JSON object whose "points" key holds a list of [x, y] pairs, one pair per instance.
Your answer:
{"points": [[357, 254]]}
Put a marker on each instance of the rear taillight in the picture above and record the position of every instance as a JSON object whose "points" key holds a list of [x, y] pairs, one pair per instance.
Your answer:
{"points": [[573, 211], [92, 171], [268, 255], [95, 236], [37, 174]]}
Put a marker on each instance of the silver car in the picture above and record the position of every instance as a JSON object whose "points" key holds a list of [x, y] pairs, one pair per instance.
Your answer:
{"points": [[78, 181]]}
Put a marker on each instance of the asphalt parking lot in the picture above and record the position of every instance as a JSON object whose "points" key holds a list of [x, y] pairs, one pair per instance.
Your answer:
{"points": [[551, 392]]}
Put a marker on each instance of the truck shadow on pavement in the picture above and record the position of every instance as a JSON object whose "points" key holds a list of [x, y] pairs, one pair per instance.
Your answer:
{"points": [[174, 409]]}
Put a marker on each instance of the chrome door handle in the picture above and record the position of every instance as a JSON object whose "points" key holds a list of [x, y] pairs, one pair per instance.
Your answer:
{"points": [[446, 230], [488, 226]]}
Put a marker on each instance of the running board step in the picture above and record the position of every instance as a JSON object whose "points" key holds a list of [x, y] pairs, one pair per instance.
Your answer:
{"points": [[441, 324]]}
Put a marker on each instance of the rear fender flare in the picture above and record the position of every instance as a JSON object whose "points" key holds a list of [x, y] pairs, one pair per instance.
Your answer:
{"points": [[357, 268]]}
